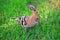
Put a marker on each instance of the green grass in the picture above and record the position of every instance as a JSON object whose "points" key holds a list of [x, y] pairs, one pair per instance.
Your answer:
{"points": [[12, 30]]}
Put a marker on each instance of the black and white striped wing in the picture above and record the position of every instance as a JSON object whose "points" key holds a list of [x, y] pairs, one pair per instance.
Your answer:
{"points": [[24, 21]]}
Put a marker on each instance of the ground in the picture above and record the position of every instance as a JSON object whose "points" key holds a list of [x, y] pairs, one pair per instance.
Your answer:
{"points": [[49, 11]]}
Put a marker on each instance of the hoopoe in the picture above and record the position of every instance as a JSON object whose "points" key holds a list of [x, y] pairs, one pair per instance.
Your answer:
{"points": [[29, 21]]}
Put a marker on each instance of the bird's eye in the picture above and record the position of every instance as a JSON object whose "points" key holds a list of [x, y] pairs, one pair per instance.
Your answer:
{"points": [[37, 19]]}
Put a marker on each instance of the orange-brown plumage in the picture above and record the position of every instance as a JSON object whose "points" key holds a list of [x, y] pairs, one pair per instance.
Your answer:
{"points": [[29, 21], [35, 18]]}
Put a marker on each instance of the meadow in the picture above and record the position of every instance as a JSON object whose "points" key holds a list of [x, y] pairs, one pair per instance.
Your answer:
{"points": [[49, 11]]}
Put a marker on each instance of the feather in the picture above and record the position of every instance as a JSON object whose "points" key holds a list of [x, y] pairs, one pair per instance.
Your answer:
{"points": [[29, 21]]}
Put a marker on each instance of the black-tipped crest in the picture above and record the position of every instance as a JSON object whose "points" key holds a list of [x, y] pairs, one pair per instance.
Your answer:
{"points": [[32, 7]]}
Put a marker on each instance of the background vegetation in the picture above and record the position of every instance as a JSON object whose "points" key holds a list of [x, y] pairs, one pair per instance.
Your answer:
{"points": [[49, 11]]}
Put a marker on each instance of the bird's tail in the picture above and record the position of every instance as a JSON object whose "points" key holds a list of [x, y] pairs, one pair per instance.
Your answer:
{"points": [[15, 18], [32, 7]]}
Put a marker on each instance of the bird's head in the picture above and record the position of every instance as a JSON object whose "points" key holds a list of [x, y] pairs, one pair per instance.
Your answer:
{"points": [[36, 17]]}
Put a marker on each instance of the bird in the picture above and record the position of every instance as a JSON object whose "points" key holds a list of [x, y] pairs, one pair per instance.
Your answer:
{"points": [[29, 21]]}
